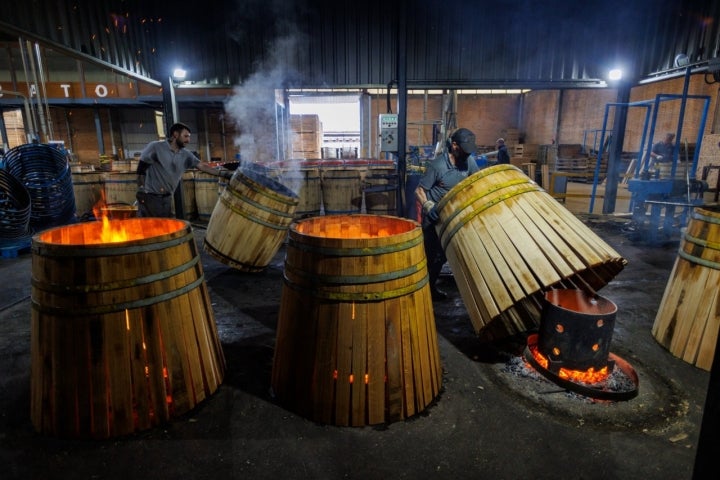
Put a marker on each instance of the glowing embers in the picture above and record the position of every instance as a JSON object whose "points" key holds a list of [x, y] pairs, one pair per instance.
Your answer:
{"points": [[573, 346], [109, 231], [354, 227]]}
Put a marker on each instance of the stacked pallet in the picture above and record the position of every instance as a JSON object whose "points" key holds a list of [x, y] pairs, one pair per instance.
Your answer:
{"points": [[306, 136], [517, 150], [570, 150], [527, 151], [572, 164], [547, 155], [524, 156], [709, 156]]}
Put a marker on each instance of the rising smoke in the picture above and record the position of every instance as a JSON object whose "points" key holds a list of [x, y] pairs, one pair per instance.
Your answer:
{"points": [[254, 106]]}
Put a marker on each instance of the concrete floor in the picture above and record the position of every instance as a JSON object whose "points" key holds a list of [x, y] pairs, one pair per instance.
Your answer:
{"points": [[487, 422]]}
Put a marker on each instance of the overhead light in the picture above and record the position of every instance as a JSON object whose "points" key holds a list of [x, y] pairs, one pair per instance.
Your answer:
{"points": [[179, 73], [615, 74], [681, 60]]}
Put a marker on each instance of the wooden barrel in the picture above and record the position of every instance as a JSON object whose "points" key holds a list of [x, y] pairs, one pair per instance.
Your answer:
{"points": [[303, 178], [125, 165], [508, 241], [380, 188], [342, 186], [119, 211], [688, 318], [250, 221], [206, 193], [120, 187], [89, 189], [187, 186], [356, 340], [123, 335], [188, 192]]}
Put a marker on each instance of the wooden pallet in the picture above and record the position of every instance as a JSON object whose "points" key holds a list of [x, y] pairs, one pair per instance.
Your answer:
{"points": [[13, 250]]}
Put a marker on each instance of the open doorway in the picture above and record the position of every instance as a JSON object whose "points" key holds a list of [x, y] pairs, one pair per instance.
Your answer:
{"points": [[339, 116]]}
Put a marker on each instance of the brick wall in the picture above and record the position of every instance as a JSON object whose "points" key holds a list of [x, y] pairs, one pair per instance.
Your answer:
{"points": [[536, 118]]}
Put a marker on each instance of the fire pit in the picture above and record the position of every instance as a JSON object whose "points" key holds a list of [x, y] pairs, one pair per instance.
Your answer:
{"points": [[123, 336], [573, 346]]}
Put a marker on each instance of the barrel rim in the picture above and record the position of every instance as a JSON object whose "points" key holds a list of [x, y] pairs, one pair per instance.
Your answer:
{"points": [[706, 215], [518, 186], [351, 242], [485, 172], [184, 228], [605, 305], [266, 186]]}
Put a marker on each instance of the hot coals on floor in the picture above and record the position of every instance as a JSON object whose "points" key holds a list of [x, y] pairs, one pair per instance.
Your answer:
{"points": [[572, 348]]}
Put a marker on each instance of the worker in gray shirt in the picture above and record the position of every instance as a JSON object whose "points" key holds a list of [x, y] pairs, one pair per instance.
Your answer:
{"points": [[162, 164], [444, 172]]}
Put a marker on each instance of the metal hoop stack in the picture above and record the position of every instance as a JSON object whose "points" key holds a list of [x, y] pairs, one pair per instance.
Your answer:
{"points": [[14, 209], [44, 171]]}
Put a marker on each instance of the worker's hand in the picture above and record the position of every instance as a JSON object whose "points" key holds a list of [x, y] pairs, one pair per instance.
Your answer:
{"points": [[658, 158], [141, 195], [430, 210]]}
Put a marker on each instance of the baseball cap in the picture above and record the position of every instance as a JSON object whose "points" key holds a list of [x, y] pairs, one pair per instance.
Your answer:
{"points": [[466, 139]]}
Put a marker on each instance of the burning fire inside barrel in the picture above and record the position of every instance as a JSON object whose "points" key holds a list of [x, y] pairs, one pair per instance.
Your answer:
{"points": [[123, 335], [572, 347]]}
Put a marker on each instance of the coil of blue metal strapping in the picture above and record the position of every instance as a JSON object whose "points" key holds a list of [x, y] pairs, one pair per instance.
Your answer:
{"points": [[14, 209], [45, 173]]}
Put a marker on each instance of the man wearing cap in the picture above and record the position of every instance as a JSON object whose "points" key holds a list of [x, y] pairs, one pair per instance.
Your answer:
{"points": [[502, 152], [443, 173], [662, 151]]}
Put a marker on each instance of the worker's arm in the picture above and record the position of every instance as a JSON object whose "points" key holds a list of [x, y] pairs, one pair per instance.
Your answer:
{"points": [[428, 206], [203, 166]]}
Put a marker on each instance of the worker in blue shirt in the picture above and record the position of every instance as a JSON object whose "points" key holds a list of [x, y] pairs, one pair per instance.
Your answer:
{"points": [[662, 151], [502, 152]]}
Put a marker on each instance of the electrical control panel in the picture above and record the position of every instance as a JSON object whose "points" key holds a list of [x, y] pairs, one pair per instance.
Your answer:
{"points": [[388, 127]]}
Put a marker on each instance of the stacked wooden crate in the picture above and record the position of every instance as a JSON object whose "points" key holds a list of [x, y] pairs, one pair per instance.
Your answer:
{"points": [[518, 150], [306, 136], [524, 152]]}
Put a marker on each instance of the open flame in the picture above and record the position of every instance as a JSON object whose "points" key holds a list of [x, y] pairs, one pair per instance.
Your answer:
{"points": [[589, 376], [111, 232]]}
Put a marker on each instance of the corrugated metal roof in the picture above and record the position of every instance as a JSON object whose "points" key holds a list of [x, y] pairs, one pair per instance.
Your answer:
{"points": [[322, 43]]}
